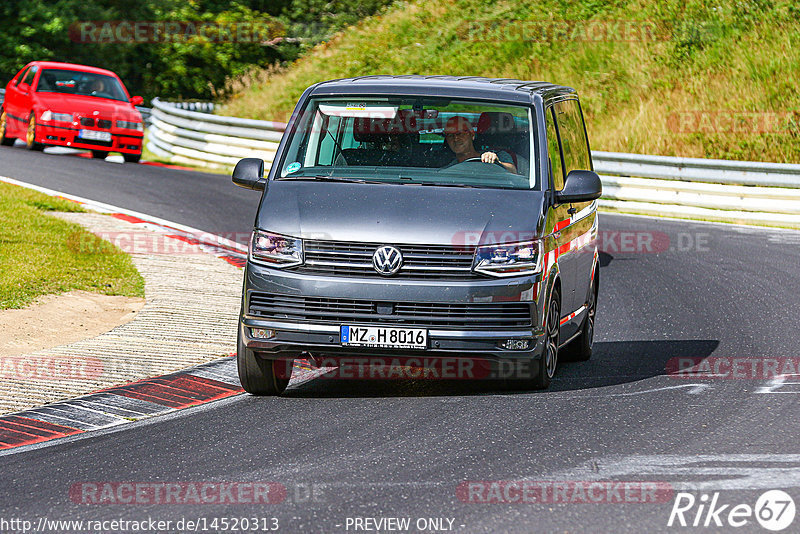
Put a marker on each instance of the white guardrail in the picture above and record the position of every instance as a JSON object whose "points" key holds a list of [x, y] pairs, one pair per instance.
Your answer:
{"points": [[206, 140], [717, 190]]}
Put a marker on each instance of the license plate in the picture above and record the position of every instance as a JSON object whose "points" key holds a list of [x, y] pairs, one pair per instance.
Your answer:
{"points": [[383, 336], [95, 135]]}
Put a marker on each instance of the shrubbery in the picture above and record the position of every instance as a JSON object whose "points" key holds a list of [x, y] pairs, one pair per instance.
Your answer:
{"points": [[194, 68]]}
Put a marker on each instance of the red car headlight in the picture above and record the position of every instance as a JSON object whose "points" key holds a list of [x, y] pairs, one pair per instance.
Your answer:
{"points": [[130, 125], [48, 116]]}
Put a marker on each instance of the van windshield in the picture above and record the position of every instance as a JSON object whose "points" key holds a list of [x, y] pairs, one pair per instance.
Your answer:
{"points": [[412, 141]]}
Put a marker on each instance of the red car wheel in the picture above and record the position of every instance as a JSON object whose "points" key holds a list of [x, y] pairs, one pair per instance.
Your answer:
{"points": [[4, 140], [30, 136]]}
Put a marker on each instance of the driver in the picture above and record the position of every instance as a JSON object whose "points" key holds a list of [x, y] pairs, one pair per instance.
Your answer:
{"points": [[97, 86], [459, 136]]}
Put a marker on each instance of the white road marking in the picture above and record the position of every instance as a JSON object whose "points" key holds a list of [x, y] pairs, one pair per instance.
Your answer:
{"points": [[694, 389], [778, 382], [741, 472]]}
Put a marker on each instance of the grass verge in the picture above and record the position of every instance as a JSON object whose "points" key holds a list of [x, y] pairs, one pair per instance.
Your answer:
{"points": [[674, 77], [41, 254]]}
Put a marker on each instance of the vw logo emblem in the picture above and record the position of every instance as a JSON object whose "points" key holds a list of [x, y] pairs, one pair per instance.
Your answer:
{"points": [[387, 260]]}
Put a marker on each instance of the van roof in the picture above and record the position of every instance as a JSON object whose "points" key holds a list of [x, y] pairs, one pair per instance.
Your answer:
{"points": [[507, 89]]}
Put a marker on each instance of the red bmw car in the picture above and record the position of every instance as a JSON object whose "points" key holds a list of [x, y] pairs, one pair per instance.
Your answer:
{"points": [[62, 104]]}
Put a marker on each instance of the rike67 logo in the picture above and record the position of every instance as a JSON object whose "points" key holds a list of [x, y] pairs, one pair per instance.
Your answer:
{"points": [[774, 510]]}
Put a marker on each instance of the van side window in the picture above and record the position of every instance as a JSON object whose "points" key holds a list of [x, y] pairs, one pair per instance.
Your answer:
{"points": [[554, 152], [573, 136]]}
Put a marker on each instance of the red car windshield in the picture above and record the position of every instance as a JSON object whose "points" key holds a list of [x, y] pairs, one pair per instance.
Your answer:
{"points": [[80, 83]]}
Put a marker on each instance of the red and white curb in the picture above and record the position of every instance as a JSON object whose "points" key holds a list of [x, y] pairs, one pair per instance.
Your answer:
{"points": [[121, 404]]}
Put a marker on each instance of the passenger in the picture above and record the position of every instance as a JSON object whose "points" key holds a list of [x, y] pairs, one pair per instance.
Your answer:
{"points": [[459, 135]]}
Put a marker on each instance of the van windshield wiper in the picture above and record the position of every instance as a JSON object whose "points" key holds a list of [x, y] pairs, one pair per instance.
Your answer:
{"points": [[328, 178], [438, 184]]}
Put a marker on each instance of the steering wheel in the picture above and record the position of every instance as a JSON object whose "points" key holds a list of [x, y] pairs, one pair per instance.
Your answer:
{"points": [[481, 161]]}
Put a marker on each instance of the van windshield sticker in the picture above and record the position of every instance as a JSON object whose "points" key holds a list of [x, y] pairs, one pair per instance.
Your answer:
{"points": [[351, 109], [293, 167]]}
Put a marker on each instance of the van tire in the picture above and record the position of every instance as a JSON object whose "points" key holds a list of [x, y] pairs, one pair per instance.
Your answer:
{"points": [[580, 349], [260, 376], [552, 329]]}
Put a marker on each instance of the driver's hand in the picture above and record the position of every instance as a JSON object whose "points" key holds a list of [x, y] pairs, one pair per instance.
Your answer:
{"points": [[489, 157]]}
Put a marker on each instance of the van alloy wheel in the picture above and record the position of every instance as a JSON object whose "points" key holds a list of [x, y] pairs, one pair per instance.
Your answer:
{"points": [[590, 314], [553, 328]]}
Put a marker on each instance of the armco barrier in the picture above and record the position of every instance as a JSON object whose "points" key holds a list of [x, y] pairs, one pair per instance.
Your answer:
{"points": [[145, 113], [719, 190], [191, 137]]}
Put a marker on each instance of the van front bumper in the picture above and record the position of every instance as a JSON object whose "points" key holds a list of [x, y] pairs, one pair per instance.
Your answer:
{"points": [[290, 338]]}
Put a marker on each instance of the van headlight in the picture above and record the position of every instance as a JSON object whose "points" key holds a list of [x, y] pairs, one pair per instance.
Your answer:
{"points": [[509, 259], [275, 250]]}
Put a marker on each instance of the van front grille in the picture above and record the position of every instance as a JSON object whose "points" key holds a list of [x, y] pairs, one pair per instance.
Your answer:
{"points": [[336, 258], [465, 316]]}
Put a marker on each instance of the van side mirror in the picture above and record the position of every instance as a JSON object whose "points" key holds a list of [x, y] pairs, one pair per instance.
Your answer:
{"points": [[24, 87], [580, 186], [137, 100], [249, 173]]}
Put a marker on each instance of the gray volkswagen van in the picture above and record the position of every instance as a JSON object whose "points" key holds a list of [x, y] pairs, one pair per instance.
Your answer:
{"points": [[424, 217]]}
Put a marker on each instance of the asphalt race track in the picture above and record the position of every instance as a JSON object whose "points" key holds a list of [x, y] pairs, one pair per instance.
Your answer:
{"points": [[347, 449]]}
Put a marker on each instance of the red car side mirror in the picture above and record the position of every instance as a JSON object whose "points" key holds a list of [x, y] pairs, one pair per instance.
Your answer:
{"points": [[137, 100], [24, 87]]}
